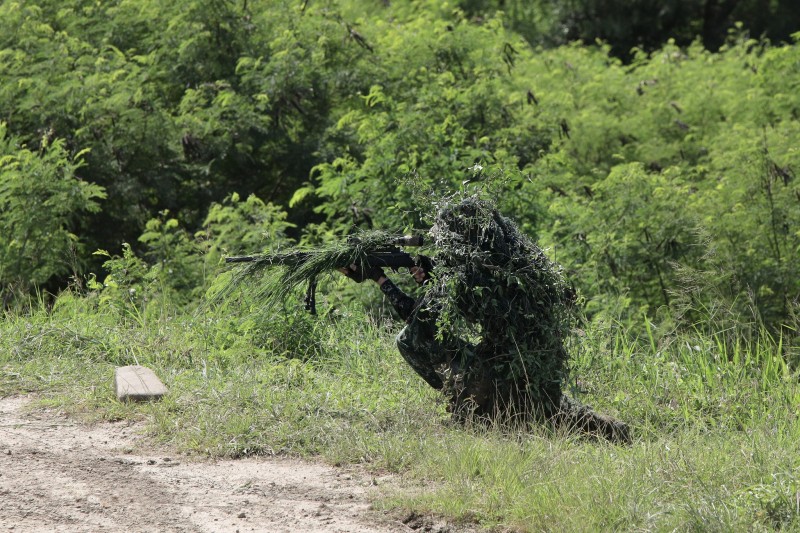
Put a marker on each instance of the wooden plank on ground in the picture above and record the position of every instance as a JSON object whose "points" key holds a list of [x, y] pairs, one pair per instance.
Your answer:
{"points": [[137, 383]]}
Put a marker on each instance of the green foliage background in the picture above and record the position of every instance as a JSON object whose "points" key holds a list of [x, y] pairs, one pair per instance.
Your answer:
{"points": [[661, 174]]}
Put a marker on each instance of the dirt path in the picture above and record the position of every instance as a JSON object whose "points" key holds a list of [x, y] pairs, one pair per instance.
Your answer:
{"points": [[60, 475]]}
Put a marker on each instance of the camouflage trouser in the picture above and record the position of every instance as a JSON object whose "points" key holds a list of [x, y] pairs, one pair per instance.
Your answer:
{"points": [[422, 351]]}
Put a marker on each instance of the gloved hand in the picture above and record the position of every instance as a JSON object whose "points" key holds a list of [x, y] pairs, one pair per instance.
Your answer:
{"points": [[422, 271], [357, 274], [419, 274]]}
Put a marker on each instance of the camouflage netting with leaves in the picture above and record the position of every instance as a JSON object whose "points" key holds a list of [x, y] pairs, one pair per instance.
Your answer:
{"points": [[273, 276], [496, 287]]}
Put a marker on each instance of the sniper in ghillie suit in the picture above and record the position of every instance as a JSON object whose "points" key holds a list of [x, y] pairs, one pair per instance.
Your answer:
{"points": [[490, 325]]}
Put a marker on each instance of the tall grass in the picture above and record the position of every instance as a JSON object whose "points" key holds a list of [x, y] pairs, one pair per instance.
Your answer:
{"points": [[717, 445], [715, 418]]}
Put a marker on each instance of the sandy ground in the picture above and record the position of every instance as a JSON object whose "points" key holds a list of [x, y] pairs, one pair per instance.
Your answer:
{"points": [[57, 474]]}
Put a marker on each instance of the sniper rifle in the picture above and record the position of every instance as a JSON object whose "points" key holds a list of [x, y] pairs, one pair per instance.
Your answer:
{"points": [[384, 255]]}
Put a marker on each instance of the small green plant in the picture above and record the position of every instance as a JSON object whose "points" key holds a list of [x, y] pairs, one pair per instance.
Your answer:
{"points": [[127, 286], [175, 257], [235, 227]]}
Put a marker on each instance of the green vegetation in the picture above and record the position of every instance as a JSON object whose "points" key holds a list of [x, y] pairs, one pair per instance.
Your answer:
{"points": [[142, 141], [716, 422], [662, 182]]}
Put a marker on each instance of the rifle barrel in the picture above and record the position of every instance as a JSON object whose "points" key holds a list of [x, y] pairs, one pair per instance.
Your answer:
{"points": [[405, 240], [409, 240], [241, 259]]}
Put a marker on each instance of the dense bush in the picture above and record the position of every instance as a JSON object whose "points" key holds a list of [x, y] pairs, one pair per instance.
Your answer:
{"points": [[667, 182], [41, 203]]}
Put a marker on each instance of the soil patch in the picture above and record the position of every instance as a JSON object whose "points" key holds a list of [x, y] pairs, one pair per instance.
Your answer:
{"points": [[57, 474]]}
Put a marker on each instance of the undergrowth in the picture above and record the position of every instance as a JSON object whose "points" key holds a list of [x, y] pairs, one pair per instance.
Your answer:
{"points": [[716, 432]]}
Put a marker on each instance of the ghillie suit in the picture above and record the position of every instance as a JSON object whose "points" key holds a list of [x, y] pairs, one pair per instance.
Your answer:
{"points": [[502, 311], [490, 329]]}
